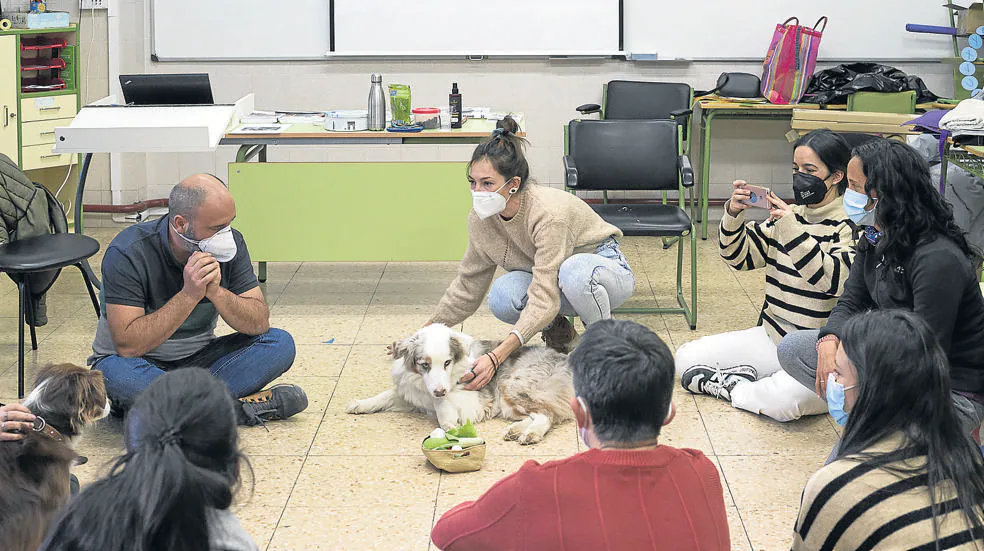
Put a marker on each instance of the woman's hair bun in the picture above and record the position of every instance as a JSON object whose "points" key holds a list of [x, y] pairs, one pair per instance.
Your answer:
{"points": [[506, 127]]}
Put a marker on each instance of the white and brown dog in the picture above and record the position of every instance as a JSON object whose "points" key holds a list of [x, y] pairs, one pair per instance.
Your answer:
{"points": [[533, 387], [34, 471]]}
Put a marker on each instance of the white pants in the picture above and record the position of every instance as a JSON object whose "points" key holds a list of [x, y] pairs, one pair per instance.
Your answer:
{"points": [[775, 394]]}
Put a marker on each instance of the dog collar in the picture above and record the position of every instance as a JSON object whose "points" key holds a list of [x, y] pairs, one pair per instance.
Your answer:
{"points": [[47, 430]]}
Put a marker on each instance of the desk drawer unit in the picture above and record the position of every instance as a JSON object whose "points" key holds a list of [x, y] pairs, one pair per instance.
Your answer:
{"points": [[40, 156], [48, 108], [41, 132]]}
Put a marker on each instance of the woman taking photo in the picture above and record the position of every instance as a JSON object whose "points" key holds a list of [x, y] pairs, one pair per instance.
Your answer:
{"points": [[912, 257], [905, 475], [561, 259], [806, 250], [173, 487]]}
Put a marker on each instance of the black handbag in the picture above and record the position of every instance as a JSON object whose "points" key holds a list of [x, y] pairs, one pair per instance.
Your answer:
{"points": [[737, 85]]}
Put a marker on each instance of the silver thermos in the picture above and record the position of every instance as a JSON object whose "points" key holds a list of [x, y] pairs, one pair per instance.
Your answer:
{"points": [[377, 104]]}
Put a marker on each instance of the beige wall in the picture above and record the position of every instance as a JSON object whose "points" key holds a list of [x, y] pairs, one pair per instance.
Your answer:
{"points": [[546, 91]]}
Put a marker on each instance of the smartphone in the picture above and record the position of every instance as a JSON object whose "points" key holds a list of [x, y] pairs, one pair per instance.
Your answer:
{"points": [[759, 198]]}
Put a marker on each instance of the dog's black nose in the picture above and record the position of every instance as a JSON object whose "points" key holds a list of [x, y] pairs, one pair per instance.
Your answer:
{"points": [[440, 393]]}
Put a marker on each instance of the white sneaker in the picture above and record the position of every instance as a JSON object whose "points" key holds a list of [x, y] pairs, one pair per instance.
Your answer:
{"points": [[717, 382]]}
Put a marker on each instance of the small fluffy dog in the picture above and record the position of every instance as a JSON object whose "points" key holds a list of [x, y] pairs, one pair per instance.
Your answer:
{"points": [[34, 471], [532, 387]]}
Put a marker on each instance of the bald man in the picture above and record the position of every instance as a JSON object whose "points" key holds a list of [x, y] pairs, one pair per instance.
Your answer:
{"points": [[165, 284]]}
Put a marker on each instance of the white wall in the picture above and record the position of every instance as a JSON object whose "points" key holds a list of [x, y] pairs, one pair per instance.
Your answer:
{"points": [[546, 91]]}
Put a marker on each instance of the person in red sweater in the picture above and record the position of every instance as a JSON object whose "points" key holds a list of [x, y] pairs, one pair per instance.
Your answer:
{"points": [[627, 492]]}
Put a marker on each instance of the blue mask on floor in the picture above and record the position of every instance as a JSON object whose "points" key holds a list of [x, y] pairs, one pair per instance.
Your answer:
{"points": [[835, 400]]}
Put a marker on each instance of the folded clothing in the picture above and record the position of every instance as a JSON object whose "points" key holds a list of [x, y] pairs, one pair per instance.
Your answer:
{"points": [[967, 116]]}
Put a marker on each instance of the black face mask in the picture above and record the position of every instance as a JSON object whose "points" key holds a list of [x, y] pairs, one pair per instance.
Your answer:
{"points": [[808, 189]]}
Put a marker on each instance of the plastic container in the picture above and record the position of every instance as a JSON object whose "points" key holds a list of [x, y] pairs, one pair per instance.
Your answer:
{"points": [[430, 117], [354, 120]]}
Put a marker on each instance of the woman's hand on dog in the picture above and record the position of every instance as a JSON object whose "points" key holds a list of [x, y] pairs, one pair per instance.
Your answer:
{"points": [[15, 420], [481, 373]]}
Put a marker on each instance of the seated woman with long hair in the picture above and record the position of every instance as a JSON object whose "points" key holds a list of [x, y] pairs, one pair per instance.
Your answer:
{"points": [[173, 487], [905, 475]]}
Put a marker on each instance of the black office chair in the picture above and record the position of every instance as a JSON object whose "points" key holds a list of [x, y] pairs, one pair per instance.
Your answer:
{"points": [[638, 155], [42, 257], [631, 100]]}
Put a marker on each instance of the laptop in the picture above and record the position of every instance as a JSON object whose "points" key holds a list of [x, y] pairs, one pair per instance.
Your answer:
{"points": [[167, 89]]}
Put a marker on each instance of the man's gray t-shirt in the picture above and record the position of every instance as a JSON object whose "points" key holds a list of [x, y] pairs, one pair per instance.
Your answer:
{"points": [[140, 270]]}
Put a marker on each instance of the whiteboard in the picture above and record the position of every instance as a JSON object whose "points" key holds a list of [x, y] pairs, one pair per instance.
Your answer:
{"points": [[726, 29], [477, 27], [240, 29]]}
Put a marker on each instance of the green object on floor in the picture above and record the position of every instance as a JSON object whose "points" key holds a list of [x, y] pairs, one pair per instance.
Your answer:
{"points": [[465, 436], [352, 212]]}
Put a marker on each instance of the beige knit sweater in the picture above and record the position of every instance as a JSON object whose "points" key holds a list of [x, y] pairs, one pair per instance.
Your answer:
{"points": [[551, 225]]}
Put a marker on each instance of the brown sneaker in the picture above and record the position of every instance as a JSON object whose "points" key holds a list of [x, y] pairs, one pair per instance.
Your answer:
{"points": [[560, 335], [273, 404]]}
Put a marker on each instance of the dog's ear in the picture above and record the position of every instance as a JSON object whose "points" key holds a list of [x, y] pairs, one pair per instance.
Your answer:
{"points": [[460, 346], [405, 348], [89, 395]]}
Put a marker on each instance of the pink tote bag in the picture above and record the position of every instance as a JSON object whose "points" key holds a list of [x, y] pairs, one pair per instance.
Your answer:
{"points": [[791, 60]]}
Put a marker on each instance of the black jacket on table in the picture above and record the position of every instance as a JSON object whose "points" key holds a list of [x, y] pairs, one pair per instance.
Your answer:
{"points": [[939, 283]]}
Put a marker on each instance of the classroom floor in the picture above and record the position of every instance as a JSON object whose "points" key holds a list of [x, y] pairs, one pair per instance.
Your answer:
{"points": [[332, 481]]}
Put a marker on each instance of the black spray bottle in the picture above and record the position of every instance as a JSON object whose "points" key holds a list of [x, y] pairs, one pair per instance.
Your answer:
{"points": [[454, 100]]}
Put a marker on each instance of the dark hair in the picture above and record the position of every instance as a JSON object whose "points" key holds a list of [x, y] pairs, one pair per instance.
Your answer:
{"points": [[625, 373], [833, 151], [504, 149], [904, 387], [910, 210], [182, 459]]}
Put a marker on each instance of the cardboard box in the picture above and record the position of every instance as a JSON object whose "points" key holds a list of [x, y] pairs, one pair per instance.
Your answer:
{"points": [[970, 18]]}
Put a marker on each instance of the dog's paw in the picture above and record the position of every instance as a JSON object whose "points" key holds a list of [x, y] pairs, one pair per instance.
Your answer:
{"points": [[355, 407], [516, 430], [530, 437]]}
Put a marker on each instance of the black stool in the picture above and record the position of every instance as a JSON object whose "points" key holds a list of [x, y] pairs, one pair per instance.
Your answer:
{"points": [[24, 257]]}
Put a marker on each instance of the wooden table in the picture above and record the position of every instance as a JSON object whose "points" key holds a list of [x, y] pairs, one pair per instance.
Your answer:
{"points": [[713, 108]]}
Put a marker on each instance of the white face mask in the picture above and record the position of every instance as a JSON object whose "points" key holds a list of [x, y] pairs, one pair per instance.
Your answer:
{"points": [[222, 245], [490, 203]]}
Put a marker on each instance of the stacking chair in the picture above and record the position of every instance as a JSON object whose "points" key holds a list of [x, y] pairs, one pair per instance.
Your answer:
{"points": [[632, 100], [638, 155], [37, 261]]}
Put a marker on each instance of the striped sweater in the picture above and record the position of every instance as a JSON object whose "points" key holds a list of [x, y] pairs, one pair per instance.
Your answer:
{"points": [[807, 257], [852, 504]]}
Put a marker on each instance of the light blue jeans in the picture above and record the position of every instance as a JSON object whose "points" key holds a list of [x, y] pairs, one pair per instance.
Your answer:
{"points": [[591, 286]]}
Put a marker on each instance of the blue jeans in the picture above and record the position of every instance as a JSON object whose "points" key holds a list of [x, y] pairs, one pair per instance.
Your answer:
{"points": [[244, 363], [591, 286]]}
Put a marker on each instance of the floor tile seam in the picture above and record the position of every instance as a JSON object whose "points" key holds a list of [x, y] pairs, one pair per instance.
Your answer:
{"points": [[741, 519]]}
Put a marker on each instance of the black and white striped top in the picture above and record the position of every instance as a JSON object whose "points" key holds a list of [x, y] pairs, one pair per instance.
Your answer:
{"points": [[807, 257], [858, 505]]}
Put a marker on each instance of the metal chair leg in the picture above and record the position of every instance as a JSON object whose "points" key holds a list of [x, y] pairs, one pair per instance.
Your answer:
{"points": [[88, 286], [29, 307], [90, 274], [22, 299], [693, 278]]}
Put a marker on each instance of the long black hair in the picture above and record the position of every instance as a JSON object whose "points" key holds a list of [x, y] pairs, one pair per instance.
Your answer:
{"points": [[505, 150], [910, 210], [182, 458], [904, 388], [833, 151]]}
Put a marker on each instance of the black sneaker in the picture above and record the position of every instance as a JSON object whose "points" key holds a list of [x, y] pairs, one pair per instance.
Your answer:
{"points": [[702, 379], [273, 404]]}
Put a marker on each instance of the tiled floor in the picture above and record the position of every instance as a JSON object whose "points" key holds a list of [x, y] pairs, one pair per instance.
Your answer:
{"points": [[327, 480]]}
